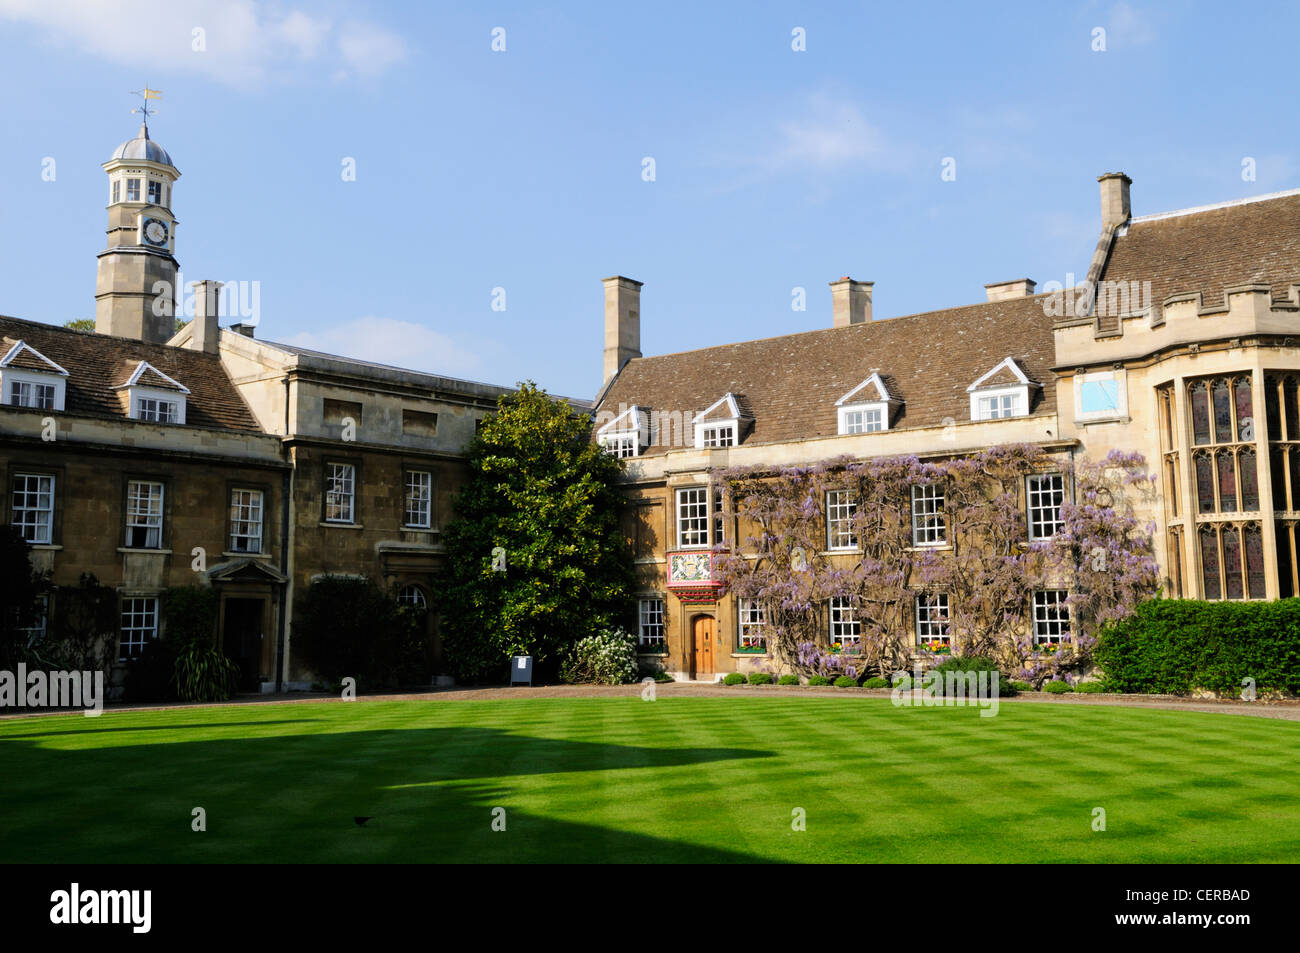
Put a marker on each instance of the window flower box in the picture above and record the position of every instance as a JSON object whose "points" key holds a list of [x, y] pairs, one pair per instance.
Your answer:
{"points": [[752, 648], [937, 647], [653, 648]]}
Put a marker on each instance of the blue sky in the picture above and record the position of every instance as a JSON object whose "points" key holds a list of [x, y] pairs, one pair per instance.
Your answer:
{"points": [[774, 169]]}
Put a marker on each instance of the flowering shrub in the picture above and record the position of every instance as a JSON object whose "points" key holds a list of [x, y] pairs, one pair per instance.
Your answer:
{"points": [[606, 658]]}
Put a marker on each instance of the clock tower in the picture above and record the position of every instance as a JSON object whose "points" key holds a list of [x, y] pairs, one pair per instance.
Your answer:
{"points": [[136, 293]]}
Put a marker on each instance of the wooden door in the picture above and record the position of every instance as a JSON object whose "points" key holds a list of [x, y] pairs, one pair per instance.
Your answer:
{"points": [[703, 645]]}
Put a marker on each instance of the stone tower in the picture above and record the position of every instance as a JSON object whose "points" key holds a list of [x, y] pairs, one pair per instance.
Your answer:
{"points": [[136, 293]]}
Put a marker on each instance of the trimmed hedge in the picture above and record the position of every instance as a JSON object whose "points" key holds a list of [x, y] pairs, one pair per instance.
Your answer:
{"points": [[975, 663], [876, 682], [1175, 646], [760, 678], [1057, 688], [788, 680], [1090, 688], [818, 680], [734, 678], [845, 682]]}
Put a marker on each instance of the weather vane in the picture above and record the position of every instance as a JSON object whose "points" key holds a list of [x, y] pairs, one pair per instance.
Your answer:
{"points": [[145, 95]]}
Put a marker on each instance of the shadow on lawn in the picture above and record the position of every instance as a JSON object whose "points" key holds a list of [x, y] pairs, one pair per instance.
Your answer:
{"points": [[126, 729], [431, 794]]}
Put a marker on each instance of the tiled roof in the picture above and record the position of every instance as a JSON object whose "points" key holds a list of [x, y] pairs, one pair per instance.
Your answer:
{"points": [[98, 363], [791, 383], [1252, 242]]}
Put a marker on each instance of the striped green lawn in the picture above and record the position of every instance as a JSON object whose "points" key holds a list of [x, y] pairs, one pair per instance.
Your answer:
{"points": [[678, 779]]}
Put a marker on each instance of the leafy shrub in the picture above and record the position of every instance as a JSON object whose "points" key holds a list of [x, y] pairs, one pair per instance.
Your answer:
{"points": [[1057, 688], [203, 673], [1175, 646], [788, 680], [734, 678], [606, 658], [876, 682], [904, 683], [347, 627], [1090, 688], [1022, 686], [975, 663], [845, 682], [818, 680], [663, 677], [760, 678]]}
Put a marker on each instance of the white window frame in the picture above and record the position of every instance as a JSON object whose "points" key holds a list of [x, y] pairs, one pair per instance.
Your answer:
{"points": [[841, 505], [751, 623], [13, 380], [139, 617], [864, 418], [933, 618], [344, 477], [621, 443], [1036, 509], [157, 407], [133, 188], [247, 515], [1051, 616], [924, 531], [989, 404], [650, 621], [413, 595], [692, 524], [1119, 377], [423, 510], [845, 626], [42, 525], [716, 435], [153, 191], [145, 511]]}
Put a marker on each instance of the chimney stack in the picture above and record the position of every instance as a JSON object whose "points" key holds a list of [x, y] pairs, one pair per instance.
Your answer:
{"points": [[850, 302], [1115, 208], [204, 329], [622, 323], [1020, 288]]}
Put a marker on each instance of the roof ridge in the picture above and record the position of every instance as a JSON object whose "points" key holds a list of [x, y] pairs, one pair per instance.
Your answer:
{"points": [[899, 317], [1196, 209]]}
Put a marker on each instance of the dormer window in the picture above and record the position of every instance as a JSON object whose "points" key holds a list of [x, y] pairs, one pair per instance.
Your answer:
{"points": [[157, 410], [153, 397], [718, 435], [622, 436], [1002, 392], [867, 408], [30, 379], [721, 425]]}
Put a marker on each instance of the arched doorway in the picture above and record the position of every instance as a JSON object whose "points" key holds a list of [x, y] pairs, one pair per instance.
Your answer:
{"points": [[703, 630]]}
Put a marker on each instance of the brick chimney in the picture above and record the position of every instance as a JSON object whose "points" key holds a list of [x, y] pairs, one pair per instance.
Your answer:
{"points": [[1115, 208], [622, 323], [1020, 288], [204, 329], [850, 302]]}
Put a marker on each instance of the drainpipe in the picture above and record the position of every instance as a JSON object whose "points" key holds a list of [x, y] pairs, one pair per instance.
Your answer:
{"points": [[286, 491]]}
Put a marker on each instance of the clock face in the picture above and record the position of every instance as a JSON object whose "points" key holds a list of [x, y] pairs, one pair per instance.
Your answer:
{"points": [[155, 232]]}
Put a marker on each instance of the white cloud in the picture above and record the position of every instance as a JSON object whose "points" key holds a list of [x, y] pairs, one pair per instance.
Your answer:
{"points": [[389, 341], [243, 41], [830, 133], [1130, 25]]}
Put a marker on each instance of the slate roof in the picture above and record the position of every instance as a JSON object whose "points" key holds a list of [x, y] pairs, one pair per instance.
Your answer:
{"points": [[791, 383], [98, 363], [1251, 242]]}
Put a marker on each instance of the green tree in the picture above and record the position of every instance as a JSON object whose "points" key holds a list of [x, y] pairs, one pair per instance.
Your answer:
{"points": [[536, 557], [80, 324]]}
